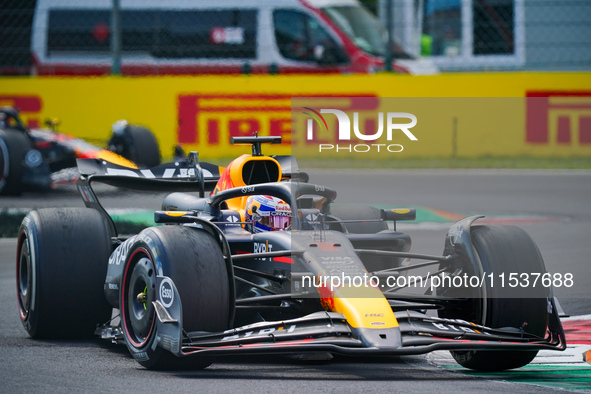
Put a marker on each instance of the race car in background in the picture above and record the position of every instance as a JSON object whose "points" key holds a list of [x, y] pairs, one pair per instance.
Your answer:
{"points": [[37, 159], [252, 268]]}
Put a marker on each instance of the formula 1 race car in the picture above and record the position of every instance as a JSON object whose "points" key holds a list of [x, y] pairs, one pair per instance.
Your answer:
{"points": [[267, 264], [37, 159]]}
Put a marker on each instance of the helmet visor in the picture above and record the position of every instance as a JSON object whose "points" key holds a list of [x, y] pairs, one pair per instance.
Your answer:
{"points": [[277, 222]]}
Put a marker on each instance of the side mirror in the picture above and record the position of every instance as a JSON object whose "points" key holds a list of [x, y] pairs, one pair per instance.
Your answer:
{"points": [[319, 53]]}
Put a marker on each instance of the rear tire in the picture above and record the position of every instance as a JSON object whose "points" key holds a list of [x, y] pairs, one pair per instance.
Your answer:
{"points": [[145, 151], [360, 212], [193, 260], [62, 258], [137, 144], [504, 249], [14, 145]]}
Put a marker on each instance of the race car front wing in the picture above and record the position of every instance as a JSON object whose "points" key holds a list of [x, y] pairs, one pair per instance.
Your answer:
{"points": [[323, 331]]}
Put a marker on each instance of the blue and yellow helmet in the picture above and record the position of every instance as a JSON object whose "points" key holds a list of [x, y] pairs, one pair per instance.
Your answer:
{"points": [[267, 213]]}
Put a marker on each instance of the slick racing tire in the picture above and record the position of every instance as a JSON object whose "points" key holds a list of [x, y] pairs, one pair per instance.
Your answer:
{"points": [[504, 249], [360, 212], [193, 260], [62, 258], [137, 144], [14, 145], [144, 148]]}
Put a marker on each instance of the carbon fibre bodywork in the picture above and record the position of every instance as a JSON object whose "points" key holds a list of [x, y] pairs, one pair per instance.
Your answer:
{"points": [[273, 308]]}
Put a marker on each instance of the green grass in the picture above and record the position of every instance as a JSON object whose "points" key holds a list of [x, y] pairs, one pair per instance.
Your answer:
{"points": [[10, 223]]}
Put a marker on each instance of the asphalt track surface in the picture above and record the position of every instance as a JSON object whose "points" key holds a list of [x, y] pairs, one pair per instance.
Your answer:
{"points": [[554, 207]]}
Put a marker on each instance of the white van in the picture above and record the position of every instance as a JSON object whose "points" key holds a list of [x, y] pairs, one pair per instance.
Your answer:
{"points": [[73, 37]]}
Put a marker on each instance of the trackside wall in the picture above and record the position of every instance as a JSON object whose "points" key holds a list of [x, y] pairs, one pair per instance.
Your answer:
{"points": [[202, 112]]}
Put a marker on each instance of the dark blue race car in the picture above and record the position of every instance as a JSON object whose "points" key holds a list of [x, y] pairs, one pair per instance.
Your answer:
{"points": [[254, 259]]}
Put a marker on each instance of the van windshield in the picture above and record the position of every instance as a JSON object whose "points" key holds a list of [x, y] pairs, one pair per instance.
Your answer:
{"points": [[366, 31]]}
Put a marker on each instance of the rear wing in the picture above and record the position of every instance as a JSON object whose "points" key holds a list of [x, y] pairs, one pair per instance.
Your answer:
{"points": [[178, 176], [184, 175]]}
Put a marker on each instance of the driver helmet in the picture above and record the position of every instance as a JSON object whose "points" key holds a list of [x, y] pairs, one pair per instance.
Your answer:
{"points": [[267, 213]]}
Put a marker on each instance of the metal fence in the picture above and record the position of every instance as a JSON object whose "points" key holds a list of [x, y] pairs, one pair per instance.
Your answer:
{"points": [[16, 19], [496, 34], [456, 35]]}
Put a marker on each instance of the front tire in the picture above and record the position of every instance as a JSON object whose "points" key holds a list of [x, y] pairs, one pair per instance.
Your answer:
{"points": [[504, 249], [62, 258], [194, 262]]}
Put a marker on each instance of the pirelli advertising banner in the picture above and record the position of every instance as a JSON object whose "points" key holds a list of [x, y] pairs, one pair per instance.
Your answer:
{"points": [[368, 116], [393, 128]]}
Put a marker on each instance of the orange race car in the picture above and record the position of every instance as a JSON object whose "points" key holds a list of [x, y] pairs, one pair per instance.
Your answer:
{"points": [[37, 159]]}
